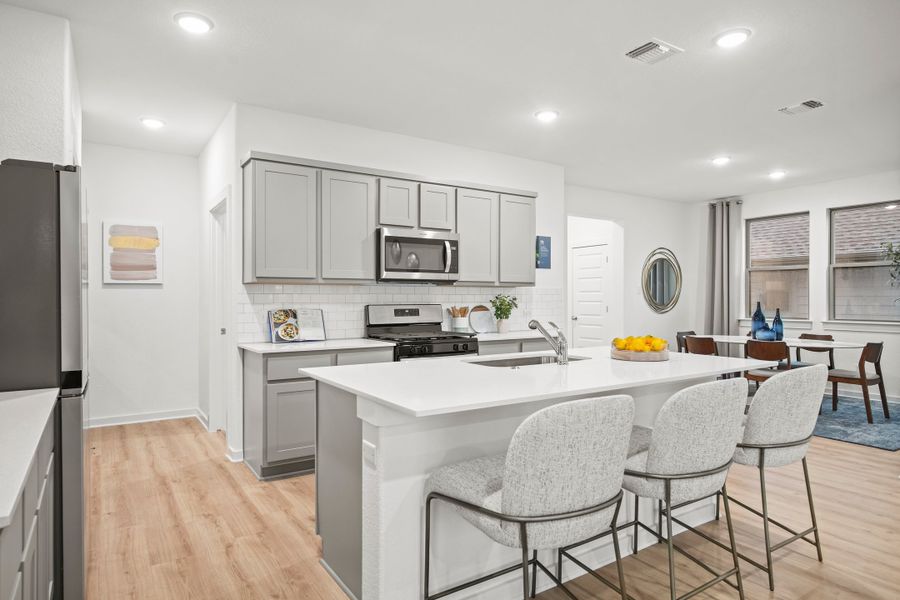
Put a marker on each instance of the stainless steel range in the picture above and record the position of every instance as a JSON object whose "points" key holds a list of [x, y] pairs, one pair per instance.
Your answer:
{"points": [[417, 330]]}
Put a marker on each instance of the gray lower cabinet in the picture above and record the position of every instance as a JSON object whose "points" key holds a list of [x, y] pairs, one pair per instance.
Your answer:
{"points": [[478, 225], [517, 242], [348, 225], [280, 221], [290, 433], [27, 543], [398, 202], [280, 407], [512, 346]]}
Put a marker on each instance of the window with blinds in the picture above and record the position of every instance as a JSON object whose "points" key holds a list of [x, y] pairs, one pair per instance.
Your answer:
{"points": [[860, 274], [778, 265]]}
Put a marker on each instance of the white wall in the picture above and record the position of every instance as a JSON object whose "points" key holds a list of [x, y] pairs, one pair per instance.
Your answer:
{"points": [[295, 135], [647, 224], [817, 199], [143, 339], [39, 98]]}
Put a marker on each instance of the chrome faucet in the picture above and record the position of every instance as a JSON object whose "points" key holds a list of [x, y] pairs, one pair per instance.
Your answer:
{"points": [[560, 345]]}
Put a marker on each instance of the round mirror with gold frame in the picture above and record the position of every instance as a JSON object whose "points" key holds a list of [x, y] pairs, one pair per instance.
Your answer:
{"points": [[661, 280]]}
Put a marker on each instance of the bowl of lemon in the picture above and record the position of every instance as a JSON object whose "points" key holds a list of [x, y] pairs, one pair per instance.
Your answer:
{"points": [[645, 348]]}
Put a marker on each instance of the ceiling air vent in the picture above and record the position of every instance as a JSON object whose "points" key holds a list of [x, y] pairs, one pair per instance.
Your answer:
{"points": [[803, 107], [653, 52]]}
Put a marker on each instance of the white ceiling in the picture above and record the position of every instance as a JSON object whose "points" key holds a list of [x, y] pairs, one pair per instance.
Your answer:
{"points": [[472, 72]]}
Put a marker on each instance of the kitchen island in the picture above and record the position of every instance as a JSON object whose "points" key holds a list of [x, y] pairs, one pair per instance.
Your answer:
{"points": [[381, 429]]}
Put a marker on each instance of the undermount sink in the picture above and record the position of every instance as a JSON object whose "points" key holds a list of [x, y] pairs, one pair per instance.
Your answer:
{"points": [[523, 361]]}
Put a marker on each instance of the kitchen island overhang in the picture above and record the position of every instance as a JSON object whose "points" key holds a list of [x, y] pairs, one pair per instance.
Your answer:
{"points": [[381, 429]]}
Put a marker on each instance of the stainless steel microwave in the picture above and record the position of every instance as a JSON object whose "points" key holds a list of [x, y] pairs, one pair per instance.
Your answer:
{"points": [[417, 255]]}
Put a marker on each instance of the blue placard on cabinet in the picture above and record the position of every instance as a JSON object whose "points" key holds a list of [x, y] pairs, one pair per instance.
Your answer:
{"points": [[542, 252]]}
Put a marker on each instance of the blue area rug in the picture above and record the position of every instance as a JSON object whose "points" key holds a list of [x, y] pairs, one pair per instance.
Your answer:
{"points": [[848, 423]]}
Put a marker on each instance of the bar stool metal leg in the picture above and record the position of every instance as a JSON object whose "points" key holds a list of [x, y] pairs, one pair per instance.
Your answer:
{"points": [[534, 573], [734, 552], [669, 541], [524, 538], [765, 511], [812, 510], [427, 542], [634, 536], [615, 537]]}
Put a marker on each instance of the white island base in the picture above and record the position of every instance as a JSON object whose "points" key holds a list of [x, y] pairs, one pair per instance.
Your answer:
{"points": [[374, 455]]}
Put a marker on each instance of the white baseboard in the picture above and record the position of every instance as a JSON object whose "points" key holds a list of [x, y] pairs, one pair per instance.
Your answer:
{"points": [[146, 417], [234, 456], [203, 418]]}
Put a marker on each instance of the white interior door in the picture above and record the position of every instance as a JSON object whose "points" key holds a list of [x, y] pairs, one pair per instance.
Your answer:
{"points": [[590, 294], [218, 353]]}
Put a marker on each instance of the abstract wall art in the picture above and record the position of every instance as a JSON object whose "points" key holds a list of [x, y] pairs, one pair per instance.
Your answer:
{"points": [[132, 253]]}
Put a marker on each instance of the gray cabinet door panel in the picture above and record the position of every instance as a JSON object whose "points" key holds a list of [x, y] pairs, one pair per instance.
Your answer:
{"points": [[285, 224], [437, 207], [478, 225], [348, 226], [45, 537], [362, 357], [516, 239], [398, 202], [290, 420], [287, 366], [29, 558]]}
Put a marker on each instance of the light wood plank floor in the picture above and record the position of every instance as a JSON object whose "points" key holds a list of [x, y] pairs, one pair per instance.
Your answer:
{"points": [[170, 518]]}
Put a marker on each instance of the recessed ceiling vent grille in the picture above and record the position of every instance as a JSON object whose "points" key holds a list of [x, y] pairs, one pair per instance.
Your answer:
{"points": [[653, 52], [803, 107]]}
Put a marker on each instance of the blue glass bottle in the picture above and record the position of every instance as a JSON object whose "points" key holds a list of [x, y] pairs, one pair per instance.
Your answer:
{"points": [[778, 325], [759, 319]]}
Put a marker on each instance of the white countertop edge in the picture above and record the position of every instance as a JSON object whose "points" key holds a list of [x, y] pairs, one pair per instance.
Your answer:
{"points": [[317, 346], [317, 374], [23, 416]]}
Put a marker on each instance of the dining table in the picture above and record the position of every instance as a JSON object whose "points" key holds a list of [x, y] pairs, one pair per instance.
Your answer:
{"points": [[791, 342]]}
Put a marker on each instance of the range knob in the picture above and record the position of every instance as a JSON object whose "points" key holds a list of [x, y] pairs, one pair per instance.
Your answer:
{"points": [[456, 347], [465, 347], [429, 349]]}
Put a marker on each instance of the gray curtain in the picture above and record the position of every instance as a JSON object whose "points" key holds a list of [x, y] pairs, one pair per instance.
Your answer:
{"points": [[722, 270]]}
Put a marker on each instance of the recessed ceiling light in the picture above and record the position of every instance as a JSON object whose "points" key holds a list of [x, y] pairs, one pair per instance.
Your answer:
{"points": [[152, 123], [546, 116], [779, 174], [721, 161], [732, 38], [194, 23], [890, 207]]}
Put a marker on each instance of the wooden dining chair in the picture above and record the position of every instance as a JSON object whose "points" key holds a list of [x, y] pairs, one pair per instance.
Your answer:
{"points": [[824, 337], [774, 351], [701, 345], [870, 354], [680, 339]]}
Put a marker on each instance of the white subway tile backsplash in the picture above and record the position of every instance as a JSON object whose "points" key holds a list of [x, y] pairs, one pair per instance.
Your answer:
{"points": [[343, 304]]}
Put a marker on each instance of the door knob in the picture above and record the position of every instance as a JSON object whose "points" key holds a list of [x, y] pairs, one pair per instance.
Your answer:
{"points": [[574, 318]]}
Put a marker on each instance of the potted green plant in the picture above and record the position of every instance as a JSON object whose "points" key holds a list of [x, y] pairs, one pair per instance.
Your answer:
{"points": [[503, 306], [892, 254]]}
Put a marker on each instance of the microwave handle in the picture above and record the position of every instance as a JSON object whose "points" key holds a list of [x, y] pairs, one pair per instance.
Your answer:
{"points": [[448, 251]]}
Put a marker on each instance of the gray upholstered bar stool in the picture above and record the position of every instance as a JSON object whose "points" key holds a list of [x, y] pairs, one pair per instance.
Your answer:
{"points": [[559, 481], [777, 430], [686, 459]]}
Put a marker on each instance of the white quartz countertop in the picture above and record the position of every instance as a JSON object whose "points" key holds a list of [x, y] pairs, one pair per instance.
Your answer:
{"points": [[324, 346], [23, 416], [509, 336], [423, 388]]}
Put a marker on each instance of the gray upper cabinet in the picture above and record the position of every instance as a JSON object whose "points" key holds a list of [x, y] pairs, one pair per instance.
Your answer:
{"points": [[478, 225], [398, 202], [290, 420], [348, 225], [437, 207], [517, 245], [280, 221]]}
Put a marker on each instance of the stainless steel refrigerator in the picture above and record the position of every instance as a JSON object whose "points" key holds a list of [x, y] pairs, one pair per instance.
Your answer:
{"points": [[43, 331]]}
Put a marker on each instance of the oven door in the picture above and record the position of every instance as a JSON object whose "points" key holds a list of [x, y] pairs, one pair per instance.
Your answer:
{"points": [[415, 255]]}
